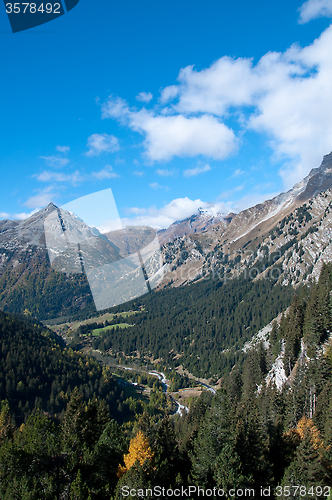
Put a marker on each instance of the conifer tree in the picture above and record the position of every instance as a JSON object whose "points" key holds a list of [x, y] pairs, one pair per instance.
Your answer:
{"points": [[6, 427], [228, 470]]}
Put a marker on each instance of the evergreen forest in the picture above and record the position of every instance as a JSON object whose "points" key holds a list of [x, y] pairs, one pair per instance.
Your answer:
{"points": [[68, 430]]}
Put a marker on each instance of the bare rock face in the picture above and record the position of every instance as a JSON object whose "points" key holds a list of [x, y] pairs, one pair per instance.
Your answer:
{"points": [[197, 223], [20, 234], [318, 180], [298, 219]]}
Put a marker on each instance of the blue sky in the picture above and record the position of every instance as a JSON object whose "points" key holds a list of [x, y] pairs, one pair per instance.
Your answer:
{"points": [[173, 105]]}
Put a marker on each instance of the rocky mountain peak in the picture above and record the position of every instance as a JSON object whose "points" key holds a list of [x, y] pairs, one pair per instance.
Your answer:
{"points": [[318, 180]]}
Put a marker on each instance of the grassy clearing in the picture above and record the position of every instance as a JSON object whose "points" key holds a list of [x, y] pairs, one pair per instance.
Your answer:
{"points": [[98, 331], [96, 319]]}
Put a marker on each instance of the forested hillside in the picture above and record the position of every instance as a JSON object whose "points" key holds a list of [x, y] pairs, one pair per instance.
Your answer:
{"points": [[202, 326], [249, 435], [38, 371], [32, 284]]}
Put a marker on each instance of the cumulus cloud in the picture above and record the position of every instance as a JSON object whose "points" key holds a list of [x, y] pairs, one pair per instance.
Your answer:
{"points": [[105, 173], [63, 149], [164, 172], [24, 215], [41, 199], [116, 107], [144, 96], [50, 176], [192, 172], [177, 210], [312, 9], [285, 96], [20, 216], [227, 82], [155, 185], [169, 136], [169, 93], [295, 109], [136, 210], [76, 177], [237, 172], [102, 143], [175, 135], [55, 161]]}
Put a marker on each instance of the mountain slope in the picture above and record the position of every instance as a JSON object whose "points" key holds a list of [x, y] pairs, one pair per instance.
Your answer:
{"points": [[27, 280], [37, 370], [194, 224], [291, 233], [286, 238]]}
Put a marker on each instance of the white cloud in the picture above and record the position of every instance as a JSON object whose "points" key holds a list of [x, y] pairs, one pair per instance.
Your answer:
{"points": [[176, 210], [76, 177], [177, 135], [169, 136], [55, 161], [169, 93], [102, 143], [155, 185], [63, 149], [237, 172], [24, 215], [49, 176], [312, 9], [286, 97], [144, 96], [191, 172], [105, 173], [115, 108], [138, 173], [42, 199], [136, 210], [4, 215], [227, 82], [295, 109], [164, 172]]}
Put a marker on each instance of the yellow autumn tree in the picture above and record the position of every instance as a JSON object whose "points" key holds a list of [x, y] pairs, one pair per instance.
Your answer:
{"points": [[306, 427], [139, 449]]}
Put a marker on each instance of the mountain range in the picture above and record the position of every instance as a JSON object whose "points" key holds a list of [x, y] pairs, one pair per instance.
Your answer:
{"points": [[292, 231], [289, 236]]}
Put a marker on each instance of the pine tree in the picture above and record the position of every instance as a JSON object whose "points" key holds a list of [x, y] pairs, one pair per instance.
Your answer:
{"points": [[107, 454], [6, 427], [228, 470], [78, 489]]}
